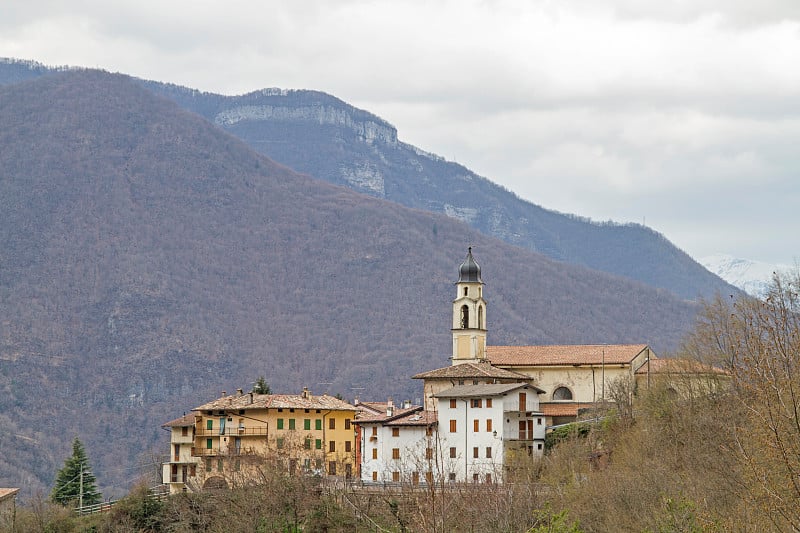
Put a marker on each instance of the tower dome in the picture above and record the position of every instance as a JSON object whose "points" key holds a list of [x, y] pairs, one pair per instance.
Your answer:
{"points": [[469, 271]]}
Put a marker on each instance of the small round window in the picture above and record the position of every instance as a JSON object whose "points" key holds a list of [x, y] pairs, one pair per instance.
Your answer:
{"points": [[562, 393]]}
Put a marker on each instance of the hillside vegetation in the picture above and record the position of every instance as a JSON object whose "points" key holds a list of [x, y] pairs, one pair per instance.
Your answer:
{"points": [[150, 260], [719, 456], [320, 135]]}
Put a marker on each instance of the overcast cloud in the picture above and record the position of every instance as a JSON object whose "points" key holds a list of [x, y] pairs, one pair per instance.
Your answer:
{"points": [[684, 115]]}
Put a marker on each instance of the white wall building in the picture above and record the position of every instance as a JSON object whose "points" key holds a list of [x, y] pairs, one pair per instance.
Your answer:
{"points": [[482, 426]]}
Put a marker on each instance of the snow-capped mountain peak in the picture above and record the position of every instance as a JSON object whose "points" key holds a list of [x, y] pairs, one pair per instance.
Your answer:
{"points": [[753, 277]]}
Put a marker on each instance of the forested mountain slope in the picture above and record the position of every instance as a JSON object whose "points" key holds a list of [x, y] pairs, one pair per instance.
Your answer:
{"points": [[320, 135], [149, 260]]}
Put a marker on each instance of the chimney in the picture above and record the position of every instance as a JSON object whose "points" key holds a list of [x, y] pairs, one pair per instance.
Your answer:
{"points": [[355, 401], [406, 404], [224, 393], [239, 392], [306, 394], [251, 398], [389, 407]]}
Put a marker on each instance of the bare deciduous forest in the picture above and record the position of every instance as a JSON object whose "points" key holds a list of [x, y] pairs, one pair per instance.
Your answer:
{"points": [[721, 455]]}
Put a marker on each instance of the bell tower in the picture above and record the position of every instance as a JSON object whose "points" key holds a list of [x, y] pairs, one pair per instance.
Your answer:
{"points": [[469, 314]]}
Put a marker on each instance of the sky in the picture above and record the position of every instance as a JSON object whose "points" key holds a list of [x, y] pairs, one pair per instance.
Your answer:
{"points": [[683, 115]]}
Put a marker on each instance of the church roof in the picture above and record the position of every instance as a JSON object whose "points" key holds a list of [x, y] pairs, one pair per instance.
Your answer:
{"points": [[471, 371], [494, 389], [469, 271], [564, 355]]}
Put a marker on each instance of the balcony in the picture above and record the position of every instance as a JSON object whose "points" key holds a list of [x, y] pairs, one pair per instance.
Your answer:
{"points": [[225, 452], [235, 431]]}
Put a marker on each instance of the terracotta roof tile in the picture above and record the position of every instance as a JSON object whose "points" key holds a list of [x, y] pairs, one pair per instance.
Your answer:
{"points": [[419, 418], [383, 417], [471, 371], [495, 389], [184, 421], [5, 493], [560, 355], [273, 401], [563, 409]]}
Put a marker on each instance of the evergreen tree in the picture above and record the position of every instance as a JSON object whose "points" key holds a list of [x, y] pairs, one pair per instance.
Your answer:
{"points": [[261, 386], [67, 489]]}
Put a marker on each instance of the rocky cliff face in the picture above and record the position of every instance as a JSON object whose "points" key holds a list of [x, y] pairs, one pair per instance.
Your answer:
{"points": [[320, 135]]}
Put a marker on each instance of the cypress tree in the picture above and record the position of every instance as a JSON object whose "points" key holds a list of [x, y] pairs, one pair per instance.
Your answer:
{"points": [[68, 484]]}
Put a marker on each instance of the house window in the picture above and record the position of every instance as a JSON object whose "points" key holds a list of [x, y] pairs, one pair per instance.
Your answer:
{"points": [[489, 479], [538, 421], [562, 393], [453, 402], [208, 465], [280, 423], [464, 317], [474, 478], [306, 464], [374, 431], [318, 424], [451, 476], [184, 431], [453, 426], [452, 452], [488, 452], [209, 424], [332, 446], [475, 452], [307, 444], [489, 425], [488, 402], [318, 464], [429, 431], [415, 478], [219, 465], [346, 423], [279, 443], [375, 476], [347, 445], [428, 453], [332, 423], [209, 444], [466, 291], [332, 468], [395, 453], [318, 444], [523, 401], [476, 402], [307, 424], [395, 476], [374, 453], [291, 423], [395, 432], [476, 425], [539, 446], [192, 470]]}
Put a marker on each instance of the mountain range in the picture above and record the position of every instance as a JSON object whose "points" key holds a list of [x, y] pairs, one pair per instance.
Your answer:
{"points": [[320, 135], [150, 259], [753, 277]]}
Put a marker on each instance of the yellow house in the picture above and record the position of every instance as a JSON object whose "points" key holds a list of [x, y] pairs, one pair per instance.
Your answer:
{"points": [[234, 435]]}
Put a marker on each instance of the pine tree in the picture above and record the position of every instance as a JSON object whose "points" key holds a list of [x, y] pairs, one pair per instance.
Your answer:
{"points": [[68, 484], [261, 386]]}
